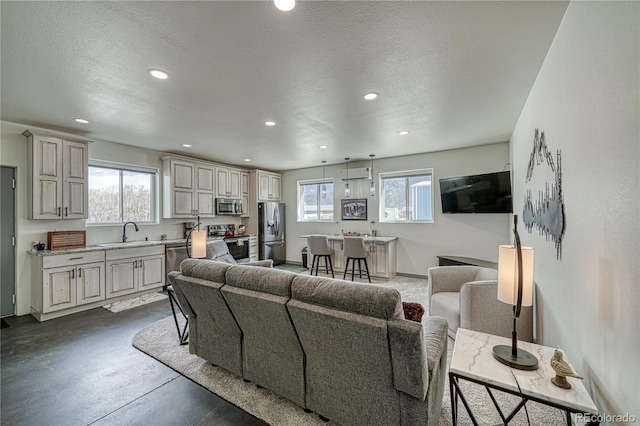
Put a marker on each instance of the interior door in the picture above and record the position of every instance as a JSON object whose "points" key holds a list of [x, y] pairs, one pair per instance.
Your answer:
{"points": [[7, 241]]}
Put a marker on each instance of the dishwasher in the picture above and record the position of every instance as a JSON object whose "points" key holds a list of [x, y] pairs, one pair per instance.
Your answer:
{"points": [[175, 253]]}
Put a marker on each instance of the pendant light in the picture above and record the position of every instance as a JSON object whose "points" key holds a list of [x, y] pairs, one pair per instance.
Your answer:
{"points": [[347, 190], [323, 188], [372, 185]]}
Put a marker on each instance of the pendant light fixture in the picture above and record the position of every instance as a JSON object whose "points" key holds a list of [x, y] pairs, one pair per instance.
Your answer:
{"points": [[372, 185], [347, 190], [323, 188]]}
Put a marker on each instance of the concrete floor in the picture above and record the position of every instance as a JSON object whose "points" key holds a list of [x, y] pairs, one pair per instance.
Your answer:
{"points": [[81, 369]]}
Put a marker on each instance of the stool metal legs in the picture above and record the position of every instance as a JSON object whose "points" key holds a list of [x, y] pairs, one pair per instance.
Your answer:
{"points": [[353, 267], [327, 263]]}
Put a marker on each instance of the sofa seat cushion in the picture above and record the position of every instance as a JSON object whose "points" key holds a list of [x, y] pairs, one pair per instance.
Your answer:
{"points": [[447, 306]]}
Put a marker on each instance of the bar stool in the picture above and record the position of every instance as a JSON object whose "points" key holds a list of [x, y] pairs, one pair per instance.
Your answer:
{"points": [[319, 248], [354, 250]]}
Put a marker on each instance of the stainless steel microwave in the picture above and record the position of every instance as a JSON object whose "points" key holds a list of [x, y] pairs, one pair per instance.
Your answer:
{"points": [[228, 206]]}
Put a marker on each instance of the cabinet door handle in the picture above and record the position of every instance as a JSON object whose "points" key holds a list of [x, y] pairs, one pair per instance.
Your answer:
{"points": [[60, 211], [79, 272], [76, 258], [73, 273], [66, 211], [135, 264]]}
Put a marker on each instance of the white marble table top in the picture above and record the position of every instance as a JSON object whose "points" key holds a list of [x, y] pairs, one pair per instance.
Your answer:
{"points": [[473, 358], [367, 238]]}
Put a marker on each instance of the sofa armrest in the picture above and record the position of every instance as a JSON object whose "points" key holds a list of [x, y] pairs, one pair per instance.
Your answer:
{"points": [[408, 357], [268, 263], [449, 278]]}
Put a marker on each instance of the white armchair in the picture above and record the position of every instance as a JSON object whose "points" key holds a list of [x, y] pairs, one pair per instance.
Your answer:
{"points": [[467, 296]]}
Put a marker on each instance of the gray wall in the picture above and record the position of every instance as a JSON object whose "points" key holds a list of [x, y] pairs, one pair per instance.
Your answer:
{"points": [[418, 245], [586, 100]]}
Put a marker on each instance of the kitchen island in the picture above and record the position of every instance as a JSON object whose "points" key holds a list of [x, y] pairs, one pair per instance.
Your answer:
{"points": [[381, 254]]}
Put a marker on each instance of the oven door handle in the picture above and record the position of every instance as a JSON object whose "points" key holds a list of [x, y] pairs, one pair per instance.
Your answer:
{"points": [[231, 240]]}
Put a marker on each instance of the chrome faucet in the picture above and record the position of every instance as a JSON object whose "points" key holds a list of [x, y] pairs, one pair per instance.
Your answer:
{"points": [[124, 231]]}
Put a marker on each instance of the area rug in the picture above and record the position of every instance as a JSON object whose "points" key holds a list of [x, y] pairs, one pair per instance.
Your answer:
{"points": [[123, 305], [160, 341]]}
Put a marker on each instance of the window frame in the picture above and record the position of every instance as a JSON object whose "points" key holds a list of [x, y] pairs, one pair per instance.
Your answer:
{"points": [[299, 206], [154, 190], [404, 174]]}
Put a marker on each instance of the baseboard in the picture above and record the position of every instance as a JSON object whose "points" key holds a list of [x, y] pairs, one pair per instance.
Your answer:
{"points": [[418, 276]]}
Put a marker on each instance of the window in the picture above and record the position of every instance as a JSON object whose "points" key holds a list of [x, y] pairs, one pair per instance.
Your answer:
{"points": [[315, 204], [118, 194], [406, 196]]}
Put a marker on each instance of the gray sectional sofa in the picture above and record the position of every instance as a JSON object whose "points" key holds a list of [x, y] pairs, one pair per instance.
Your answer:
{"points": [[340, 349]]}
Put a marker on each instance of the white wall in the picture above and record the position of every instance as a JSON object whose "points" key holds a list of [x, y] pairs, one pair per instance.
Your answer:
{"points": [[586, 100], [459, 234], [13, 152]]}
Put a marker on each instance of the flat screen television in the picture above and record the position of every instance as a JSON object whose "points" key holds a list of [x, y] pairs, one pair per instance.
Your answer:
{"points": [[485, 193]]}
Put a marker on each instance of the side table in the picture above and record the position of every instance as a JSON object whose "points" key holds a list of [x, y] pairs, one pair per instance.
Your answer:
{"points": [[473, 361]]}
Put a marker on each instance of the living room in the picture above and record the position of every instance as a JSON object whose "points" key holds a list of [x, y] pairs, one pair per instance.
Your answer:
{"points": [[585, 100]]}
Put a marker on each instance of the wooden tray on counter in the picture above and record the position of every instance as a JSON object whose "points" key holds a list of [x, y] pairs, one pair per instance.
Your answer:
{"points": [[63, 240]]}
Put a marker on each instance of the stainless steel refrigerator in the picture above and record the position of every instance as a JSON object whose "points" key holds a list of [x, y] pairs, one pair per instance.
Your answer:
{"points": [[271, 232]]}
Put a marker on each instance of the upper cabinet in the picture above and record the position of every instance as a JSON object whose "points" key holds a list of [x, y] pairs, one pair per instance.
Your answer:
{"points": [[228, 182], [268, 186], [244, 187], [58, 177], [189, 189]]}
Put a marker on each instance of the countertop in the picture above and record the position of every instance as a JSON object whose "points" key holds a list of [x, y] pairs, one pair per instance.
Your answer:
{"points": [[114, 246], [367, 238]]}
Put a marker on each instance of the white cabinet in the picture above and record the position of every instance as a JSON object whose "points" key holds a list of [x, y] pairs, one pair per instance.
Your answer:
{"points": [[130, 270], [244, 188], [337, 257], [58, 177], [253, 248], [189, 189], [67, 280], [268, 186], [381, 258], [228, 182]]}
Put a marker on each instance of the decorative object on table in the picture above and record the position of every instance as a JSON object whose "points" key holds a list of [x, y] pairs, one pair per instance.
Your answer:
{"points": [[515, 286], [347, 189], [413, 311], [548, 212], [563, 370], [351, 234], [372, 185], [355, 209]]}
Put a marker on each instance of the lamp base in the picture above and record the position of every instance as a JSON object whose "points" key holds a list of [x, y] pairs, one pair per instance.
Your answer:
{"points": [[523, 361]]}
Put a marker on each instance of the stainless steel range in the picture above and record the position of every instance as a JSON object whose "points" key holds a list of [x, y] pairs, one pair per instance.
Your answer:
{"points": [[238, 245]]}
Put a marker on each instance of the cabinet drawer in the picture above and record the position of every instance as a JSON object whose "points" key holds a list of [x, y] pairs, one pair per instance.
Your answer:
{"points": [[70, 259], [126, 253]]}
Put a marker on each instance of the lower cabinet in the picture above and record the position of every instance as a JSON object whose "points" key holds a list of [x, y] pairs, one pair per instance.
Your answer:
{"points": [[381, 257], [131, 270], [253, 248], [66, 283]]}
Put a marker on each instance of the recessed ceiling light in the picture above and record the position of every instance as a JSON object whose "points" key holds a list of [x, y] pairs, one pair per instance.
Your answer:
{"points": [[247, 159], [160, 75], [285, 5], [269, 123], [323, 146], [186, 145], [370, 96], [81, 120], [403, 133]]}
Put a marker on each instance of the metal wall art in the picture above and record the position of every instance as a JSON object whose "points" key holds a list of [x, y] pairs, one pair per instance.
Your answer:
{"points": [[547, 212]]}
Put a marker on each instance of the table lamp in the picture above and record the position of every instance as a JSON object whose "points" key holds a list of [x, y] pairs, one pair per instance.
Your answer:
{"points": [[515, 286], [196, 242]]}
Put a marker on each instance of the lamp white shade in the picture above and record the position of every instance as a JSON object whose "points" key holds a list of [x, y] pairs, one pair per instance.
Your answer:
{"points": [[508, 275], [199, 244]]}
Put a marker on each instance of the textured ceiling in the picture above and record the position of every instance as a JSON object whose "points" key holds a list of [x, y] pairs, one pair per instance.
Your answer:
{"points": [[453, 74]]}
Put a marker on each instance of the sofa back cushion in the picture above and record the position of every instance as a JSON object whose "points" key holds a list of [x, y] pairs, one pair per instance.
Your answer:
{"points": [[213, 332], [271, 352], [342, 327]]}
